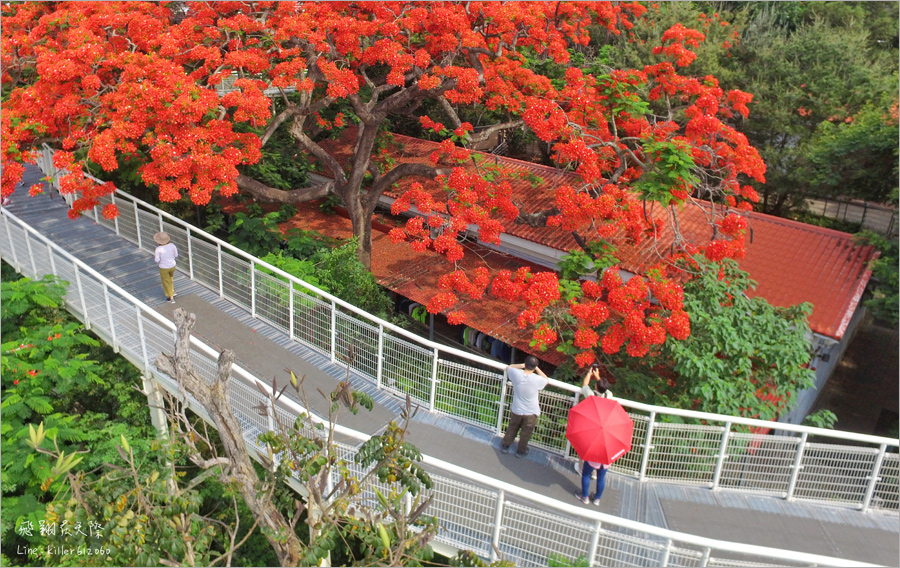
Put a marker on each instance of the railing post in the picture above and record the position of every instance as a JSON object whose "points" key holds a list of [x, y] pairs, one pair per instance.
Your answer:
{"points": [[143, 337], [87, 319], [726, 432], [333, 331], [873, 481], [704, 560], [503, 380], [190, 254], [252, 289], [291, 332], [157, 405], [219, 258], [498, 518], [380, 369], [112, 198], [109, 314], [31, 255], [158, 216], [647, 446], [667, 553], [795, 471], [575, 398], [52, 261], [137, 223], [12, 245], [434, 381], [595, 542]]}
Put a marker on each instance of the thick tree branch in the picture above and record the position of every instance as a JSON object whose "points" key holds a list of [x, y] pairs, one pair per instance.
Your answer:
{"points": [[403, 170], [263, 192], [489, 131], [298, 133], [287, 113], [536, 219], [214, 398]]}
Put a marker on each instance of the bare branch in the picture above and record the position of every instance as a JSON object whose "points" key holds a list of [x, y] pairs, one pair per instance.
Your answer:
{"points": [[263, 192]]}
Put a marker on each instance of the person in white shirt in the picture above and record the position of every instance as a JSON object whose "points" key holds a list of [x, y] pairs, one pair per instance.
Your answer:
{"points": [[527, 380], [165, 256]]}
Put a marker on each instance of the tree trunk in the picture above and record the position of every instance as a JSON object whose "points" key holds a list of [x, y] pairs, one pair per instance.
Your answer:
{"points": [[287, 546], [361, 218]]}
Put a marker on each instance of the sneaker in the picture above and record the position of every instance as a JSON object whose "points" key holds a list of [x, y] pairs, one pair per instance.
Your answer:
{"points": [[584, 500], [172, 300], [504, 449], [596, 502], [523, 453]]}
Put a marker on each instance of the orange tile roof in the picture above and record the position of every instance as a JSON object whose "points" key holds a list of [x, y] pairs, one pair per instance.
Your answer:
{"points": [[792, 262], [415, 275]]}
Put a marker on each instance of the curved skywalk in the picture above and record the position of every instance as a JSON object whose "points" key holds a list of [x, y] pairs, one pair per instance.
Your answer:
{"points": [[267, 352]]}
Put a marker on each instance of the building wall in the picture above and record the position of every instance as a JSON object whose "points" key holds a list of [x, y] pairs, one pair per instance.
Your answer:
{"points": [[824, 369]]}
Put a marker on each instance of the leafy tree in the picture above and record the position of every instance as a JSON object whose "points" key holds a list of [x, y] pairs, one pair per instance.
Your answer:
{"points": [[333, 515], [57, 374], [648, 133], [855, 158], [884, 303], [744, 357]]}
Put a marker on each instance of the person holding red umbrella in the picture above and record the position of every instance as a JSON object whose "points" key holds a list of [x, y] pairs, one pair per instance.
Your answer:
{"points": [[600, 432]]}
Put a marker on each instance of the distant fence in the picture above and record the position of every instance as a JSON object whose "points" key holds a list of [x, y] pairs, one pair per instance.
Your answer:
{"points": [[475, 512], [877, 218], [718, 452]]}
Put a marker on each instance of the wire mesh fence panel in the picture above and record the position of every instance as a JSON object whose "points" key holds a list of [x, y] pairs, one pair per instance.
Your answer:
{"points": [[243, 399], [887, 488], [127, 224], [550, 430], [159, 339], [532, 537], [735, 563], [205, 262], [356, 343], [312, 321], [465, 512], [467, 393], [406, 368], [92, 290], [41, 256], [630, 463], [617, 549], [835, 474], [684, 557], [125, 320], [65, 270], [272, 300], [98, 210], [684, 453], [149, 227], [759, 463], [236, 280], [17, 248]]}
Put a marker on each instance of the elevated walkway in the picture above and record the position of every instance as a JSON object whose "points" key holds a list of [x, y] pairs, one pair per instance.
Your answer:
{"points": [[544, 514]]}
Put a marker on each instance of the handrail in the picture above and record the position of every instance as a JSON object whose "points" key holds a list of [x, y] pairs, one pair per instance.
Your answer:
{"points": [[707, 416], [503, 487]]}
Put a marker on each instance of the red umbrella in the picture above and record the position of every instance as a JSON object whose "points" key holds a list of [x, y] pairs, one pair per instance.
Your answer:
{"points": [[599, 430]]}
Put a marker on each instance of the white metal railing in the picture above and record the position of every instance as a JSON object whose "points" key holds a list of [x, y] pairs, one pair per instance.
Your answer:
{"points": [[475, 511], [721, 453]]}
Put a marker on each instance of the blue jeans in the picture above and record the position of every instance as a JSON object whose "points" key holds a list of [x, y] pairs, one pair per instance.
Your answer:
{"points": [[586, 470]]}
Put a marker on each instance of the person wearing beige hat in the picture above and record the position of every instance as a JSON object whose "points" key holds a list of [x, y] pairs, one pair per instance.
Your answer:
{"points": [[165, 256]]}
